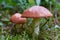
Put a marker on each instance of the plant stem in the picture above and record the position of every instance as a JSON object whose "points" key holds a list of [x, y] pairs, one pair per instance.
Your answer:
{"points": [[2, 34]]}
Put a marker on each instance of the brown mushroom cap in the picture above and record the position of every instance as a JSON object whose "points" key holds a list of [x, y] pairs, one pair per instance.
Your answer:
{"points": [[16, 18], [36, 12]]}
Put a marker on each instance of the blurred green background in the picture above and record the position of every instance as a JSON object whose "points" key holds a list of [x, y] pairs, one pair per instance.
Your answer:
{"points": [[49, 31]]}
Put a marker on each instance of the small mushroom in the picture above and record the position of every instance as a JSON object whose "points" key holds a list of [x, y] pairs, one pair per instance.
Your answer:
{"points": [[16, 18], [36, 12]]}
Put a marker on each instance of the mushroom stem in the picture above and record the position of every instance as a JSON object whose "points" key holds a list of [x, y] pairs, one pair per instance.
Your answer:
{"points": [[35, 24]]}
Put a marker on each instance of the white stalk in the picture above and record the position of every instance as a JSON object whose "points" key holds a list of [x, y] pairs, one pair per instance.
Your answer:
{"points": [[37, 30], [38, 2]]}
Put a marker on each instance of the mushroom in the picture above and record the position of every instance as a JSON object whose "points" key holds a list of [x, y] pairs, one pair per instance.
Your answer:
{"points": [[36, 12], [17, 19]]}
